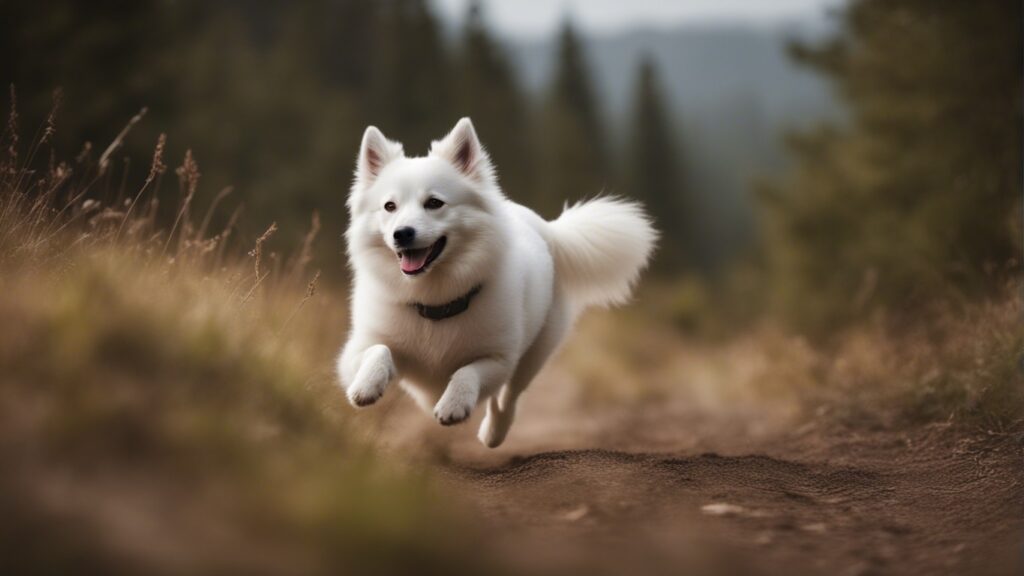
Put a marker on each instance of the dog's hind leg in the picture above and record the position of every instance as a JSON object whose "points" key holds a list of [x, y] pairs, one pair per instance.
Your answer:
{"points": [[496, 423], [501, 409], [478, 379]]}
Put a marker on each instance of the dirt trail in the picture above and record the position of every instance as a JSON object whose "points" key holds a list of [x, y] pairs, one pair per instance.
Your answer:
{"points": [[678, 487], [934, 509]]}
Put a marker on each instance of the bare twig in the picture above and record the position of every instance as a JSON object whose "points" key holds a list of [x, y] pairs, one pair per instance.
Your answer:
{"points": [[188, 175], [156, 169], [257, 254], [119, 140], [310, 291]]}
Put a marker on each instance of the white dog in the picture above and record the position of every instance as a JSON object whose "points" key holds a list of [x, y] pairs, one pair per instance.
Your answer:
{"points": [[461, 295]]}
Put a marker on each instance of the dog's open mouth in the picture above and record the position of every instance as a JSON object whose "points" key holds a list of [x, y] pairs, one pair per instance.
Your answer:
{"points": [[415, 260]]}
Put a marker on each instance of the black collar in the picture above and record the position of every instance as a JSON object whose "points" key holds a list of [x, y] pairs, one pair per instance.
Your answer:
{"points": [[453, 308]]}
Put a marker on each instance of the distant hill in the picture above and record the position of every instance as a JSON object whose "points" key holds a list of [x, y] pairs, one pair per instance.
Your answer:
{"points": [[734, 92], [700, 65]]}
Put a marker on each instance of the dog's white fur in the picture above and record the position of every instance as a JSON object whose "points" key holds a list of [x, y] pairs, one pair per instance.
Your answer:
{"points": [[536, 278]]}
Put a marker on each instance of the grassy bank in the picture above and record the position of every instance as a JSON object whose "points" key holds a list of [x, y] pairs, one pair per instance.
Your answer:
{"points": [[166, 399], [958, 364]]}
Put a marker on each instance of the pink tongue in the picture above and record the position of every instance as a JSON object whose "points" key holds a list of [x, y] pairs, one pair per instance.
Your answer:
{"points": [[415, 261]]}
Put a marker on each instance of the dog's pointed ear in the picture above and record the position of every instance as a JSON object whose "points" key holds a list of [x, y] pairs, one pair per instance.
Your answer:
{"points": [[462, 148], [375, 153]]}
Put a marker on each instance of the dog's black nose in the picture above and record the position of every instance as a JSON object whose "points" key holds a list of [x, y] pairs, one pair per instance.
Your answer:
{"points": [[404, 236]]}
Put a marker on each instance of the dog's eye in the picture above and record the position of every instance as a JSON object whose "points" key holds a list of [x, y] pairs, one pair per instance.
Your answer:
{"points": [[390, 206], [433, 204]]}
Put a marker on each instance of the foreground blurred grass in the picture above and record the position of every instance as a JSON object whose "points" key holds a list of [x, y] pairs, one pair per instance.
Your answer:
{"points": [[166, 408], [147, 423]]}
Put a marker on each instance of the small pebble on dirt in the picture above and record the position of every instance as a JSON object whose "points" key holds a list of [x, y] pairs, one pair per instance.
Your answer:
{"points": [[817, 527], [722, 509], [575, 514]]}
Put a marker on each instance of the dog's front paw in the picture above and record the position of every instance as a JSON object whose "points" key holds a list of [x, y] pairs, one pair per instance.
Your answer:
{"points": [[372, 379], [365, 396], [456, 404]]}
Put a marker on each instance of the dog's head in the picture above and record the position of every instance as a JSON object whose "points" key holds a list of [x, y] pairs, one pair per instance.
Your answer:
{"points": [[424, 227]]}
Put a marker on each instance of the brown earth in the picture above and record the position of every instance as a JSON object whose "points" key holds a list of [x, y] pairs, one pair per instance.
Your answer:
{"points": [[681, 485]]}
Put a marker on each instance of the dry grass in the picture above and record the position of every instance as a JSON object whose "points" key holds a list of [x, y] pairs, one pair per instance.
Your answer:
{"points": [[167, 405], [958, 365]]}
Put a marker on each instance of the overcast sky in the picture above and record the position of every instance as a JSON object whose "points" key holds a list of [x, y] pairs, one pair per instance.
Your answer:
{"points": [[541, 17]]}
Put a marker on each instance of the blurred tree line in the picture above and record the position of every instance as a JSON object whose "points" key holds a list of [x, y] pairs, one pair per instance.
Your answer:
{"points": [[272, 98], [913, 195], [916, 196]]}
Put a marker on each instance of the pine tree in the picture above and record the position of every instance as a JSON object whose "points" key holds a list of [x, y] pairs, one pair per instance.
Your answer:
{"points": [[106, 56], [654, 171], [917, 195], [489, 92], [410, 95], [574, 163]]}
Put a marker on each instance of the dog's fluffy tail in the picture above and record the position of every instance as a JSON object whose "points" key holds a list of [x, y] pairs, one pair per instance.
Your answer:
{"points": [[600, 246]]}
